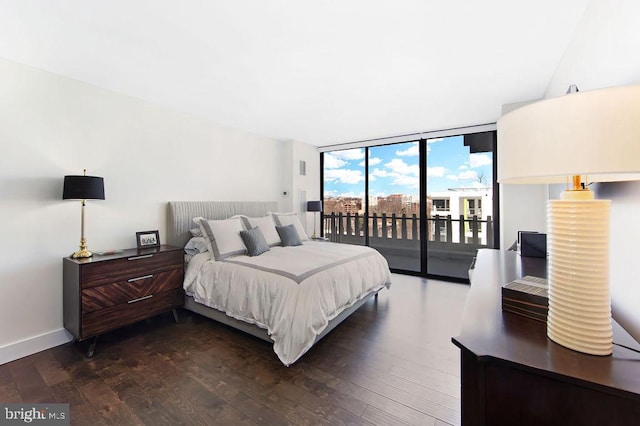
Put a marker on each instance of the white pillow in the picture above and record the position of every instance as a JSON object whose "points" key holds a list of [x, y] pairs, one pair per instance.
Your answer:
{"points": [[223, 237], [284, 219], [267, 227], [241, 217]]}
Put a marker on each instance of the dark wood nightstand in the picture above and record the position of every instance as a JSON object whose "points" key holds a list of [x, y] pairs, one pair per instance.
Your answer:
{"points": [[512, 373], [103, 293]]}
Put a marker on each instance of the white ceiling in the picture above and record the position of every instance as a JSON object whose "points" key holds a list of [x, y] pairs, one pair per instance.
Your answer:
{"points": [[322, 72]]}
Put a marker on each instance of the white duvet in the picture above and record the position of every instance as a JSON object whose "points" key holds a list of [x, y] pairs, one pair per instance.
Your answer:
{"points": [[292, 292]]}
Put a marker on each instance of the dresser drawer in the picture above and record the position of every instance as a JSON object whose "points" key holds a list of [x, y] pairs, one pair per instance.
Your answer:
{"points": [[126, 268], [105, 296], [102, 320]]}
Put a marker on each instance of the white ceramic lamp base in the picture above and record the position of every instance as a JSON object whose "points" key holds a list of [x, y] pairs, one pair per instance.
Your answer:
{"points": [[579, 297]]}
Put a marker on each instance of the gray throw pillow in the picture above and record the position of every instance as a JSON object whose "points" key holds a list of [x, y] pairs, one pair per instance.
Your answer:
{"points": [[288, 235], [254, 241]]}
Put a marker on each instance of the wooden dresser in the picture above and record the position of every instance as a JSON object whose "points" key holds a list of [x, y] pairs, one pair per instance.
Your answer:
{"points": [[512, 374], [102, 293]]}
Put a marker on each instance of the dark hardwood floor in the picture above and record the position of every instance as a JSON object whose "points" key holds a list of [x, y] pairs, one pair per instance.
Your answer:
{"points": [[390, 363]]}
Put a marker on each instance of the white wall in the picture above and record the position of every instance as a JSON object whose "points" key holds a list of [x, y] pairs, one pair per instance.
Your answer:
{"points": [[522, 207], [301, 189], [603, 50], [307, 186], [603, 53], [51, 126]]}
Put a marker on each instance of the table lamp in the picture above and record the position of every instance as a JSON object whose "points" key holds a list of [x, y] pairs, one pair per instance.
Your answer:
{"points": [[578, 138], [314, 206], [83, 188]]}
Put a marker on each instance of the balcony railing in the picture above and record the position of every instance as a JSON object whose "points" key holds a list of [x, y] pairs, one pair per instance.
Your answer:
{"points": [[444, 232]]}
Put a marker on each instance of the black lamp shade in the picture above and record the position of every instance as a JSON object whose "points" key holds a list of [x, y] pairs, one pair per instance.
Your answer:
{"points": [[83, 188], [314, 206]]}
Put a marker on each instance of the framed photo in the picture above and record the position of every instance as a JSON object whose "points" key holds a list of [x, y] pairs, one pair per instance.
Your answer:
{"points": [[148, 239]]}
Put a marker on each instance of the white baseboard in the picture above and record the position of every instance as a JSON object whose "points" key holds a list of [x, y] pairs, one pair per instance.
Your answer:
{"points": [[34, 345]]}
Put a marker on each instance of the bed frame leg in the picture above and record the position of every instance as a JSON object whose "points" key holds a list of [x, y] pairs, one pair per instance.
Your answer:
{"points": [[175, 315]]}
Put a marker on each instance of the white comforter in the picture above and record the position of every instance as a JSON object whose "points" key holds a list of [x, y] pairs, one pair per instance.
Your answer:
{"points": [[293, 292]]}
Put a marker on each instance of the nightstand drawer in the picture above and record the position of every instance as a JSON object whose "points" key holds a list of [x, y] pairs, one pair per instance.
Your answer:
{"points": [[105, 296], [116, 316], [123, 269]]}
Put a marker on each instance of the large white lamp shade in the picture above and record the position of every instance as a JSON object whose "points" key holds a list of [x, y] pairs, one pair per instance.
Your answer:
{"points": [[578, 138]]}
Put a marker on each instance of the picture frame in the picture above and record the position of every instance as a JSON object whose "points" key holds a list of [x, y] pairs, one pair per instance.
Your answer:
{"points": [[148, 239]]}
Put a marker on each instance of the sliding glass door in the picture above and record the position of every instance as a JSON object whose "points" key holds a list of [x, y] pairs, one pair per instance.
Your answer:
{"points": [[460, 201], [394, 204], [426, 205]]}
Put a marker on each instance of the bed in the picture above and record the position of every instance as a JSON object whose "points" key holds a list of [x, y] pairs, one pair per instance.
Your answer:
{"points": [[289, 296]]}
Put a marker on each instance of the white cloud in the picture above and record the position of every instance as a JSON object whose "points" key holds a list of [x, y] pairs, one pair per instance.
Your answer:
{"points": [[463, 167], [430, 141], [399, 172], [404, 174], [466, 175], [437, 171], [349, 195], [349, 154], [477, 160], [331, 162], [344, 176], [379, 173], [412, 151], [372, 161], [399, 167]]}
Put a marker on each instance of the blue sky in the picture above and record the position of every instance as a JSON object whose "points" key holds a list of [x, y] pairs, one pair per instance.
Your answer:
{"points": [[394, 169]]}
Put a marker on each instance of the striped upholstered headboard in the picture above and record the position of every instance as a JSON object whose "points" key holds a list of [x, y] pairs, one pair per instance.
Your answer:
{"points": [[180, 215]]}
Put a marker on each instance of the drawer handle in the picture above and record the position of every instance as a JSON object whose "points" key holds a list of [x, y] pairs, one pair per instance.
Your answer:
{"points": [[140, 257], [139, 278], [140, 299]]}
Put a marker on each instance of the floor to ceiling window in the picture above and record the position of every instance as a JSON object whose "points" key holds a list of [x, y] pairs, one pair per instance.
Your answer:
{"points": [[460, 193], [394, 203], [427, 204], [344, 196]]}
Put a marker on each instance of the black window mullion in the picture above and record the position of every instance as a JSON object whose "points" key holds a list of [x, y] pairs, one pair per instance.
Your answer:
{"points": [[423, 207], [321, 194], [366, 196]]}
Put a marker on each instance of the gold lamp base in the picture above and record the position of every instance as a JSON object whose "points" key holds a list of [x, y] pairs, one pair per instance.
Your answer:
{"points": [[314, 236], [83, 252]]}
